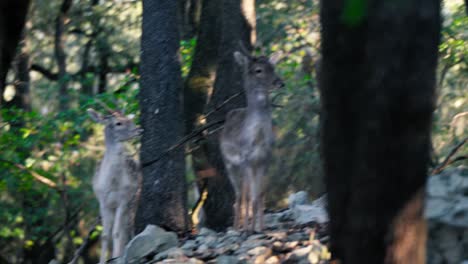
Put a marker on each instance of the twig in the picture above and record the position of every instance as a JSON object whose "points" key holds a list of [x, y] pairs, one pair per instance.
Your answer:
{"points": [[182, 141], [225, 102], [448, 160], [80, 250]]}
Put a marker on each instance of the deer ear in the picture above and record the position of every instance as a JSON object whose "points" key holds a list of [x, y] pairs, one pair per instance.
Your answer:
{"points": [[241, 59], [95, 116], [275, 57]]}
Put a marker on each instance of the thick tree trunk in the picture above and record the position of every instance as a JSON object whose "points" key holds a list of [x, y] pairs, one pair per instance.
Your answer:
{"points": [[12, 19], [377, 80], [200, 81], [238, 25], [164, 192]]}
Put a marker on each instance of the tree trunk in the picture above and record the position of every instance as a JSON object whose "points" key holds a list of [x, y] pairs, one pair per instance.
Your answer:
{"points": [[164, 190], [377, 80], [22, 98], [200, 81], [12, 18], [60, 55], [238, 25]]}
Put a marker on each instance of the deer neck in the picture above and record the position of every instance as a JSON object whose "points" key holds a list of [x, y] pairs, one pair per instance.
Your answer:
{"points": [[258, 102], [114, 147]]}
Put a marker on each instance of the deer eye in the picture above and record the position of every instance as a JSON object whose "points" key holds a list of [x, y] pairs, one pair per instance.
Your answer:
{"points": [[118, 124], [258, 70]]}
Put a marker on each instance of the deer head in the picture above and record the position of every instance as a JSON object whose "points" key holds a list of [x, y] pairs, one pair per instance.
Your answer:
{"points": [[118, 127], [259, 76]]}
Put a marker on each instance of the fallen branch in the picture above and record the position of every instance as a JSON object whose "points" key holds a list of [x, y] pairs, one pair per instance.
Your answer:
{"points": [[448, 159]]}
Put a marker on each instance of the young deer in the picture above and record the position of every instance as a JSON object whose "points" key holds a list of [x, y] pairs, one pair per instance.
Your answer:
{"points": [[116, 183], [247, 140]]}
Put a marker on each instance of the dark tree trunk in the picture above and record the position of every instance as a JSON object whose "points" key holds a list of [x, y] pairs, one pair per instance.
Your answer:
{"points": [[164, 192], [377, 80], [200, 81], [12, 18], [22, 98], [189, 17], [60, 55], [238, 25]]}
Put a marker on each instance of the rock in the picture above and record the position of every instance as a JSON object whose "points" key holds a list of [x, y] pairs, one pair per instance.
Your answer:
{"points": [[189, 245], [277, 235], [447, 214], [152, 240], [227, 260], [272, 260], [172, 253], [207, 232], [298, 237], [447, 197], [299, 198], [304, 214], [210, 241]]}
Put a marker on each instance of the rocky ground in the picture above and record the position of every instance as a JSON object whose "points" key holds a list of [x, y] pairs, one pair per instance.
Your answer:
{"points": [[298, 234], [295, 235]]}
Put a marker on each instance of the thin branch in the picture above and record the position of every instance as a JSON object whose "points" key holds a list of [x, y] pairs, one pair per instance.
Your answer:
{"points": [[182, 141], [36, 175], [53, 76], [448, 160]]}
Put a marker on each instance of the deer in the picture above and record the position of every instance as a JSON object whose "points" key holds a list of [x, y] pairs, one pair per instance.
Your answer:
{"points": [[247, 139], [117, 182]]}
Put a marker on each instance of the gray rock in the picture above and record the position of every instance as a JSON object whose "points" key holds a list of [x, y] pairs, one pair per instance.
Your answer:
{"points": [[447, 214], [447, 197], [172, 253], [299, 198], [227, 260], [152, 240], [304, 214], [206, 231], [189, 245]]}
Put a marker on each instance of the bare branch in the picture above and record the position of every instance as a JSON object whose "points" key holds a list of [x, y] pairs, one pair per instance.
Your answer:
{"points": [[448, 160], [35, 175]]}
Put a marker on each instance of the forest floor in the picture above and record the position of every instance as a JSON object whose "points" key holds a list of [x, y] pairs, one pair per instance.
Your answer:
{"points": [[297, 234]]}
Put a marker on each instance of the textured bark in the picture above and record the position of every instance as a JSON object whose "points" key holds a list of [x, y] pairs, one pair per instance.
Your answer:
{"points": [[238, 25], [377, 79], [164, 191], [60, 55], [12, 19], [22, 98], [199, 83]]}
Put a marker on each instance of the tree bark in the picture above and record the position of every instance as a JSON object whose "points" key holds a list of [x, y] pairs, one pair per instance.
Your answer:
{"points": [[164, 190], [238, 25], [377, 79], [200, 81], [22, 98], [12, 18], [60, 55]]}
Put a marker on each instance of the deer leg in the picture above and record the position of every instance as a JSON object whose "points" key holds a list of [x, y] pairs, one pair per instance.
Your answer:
{"points": [[254, 201], [236, 182], [260, 198], [250, 195], [107, 216], [120, 230]]}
